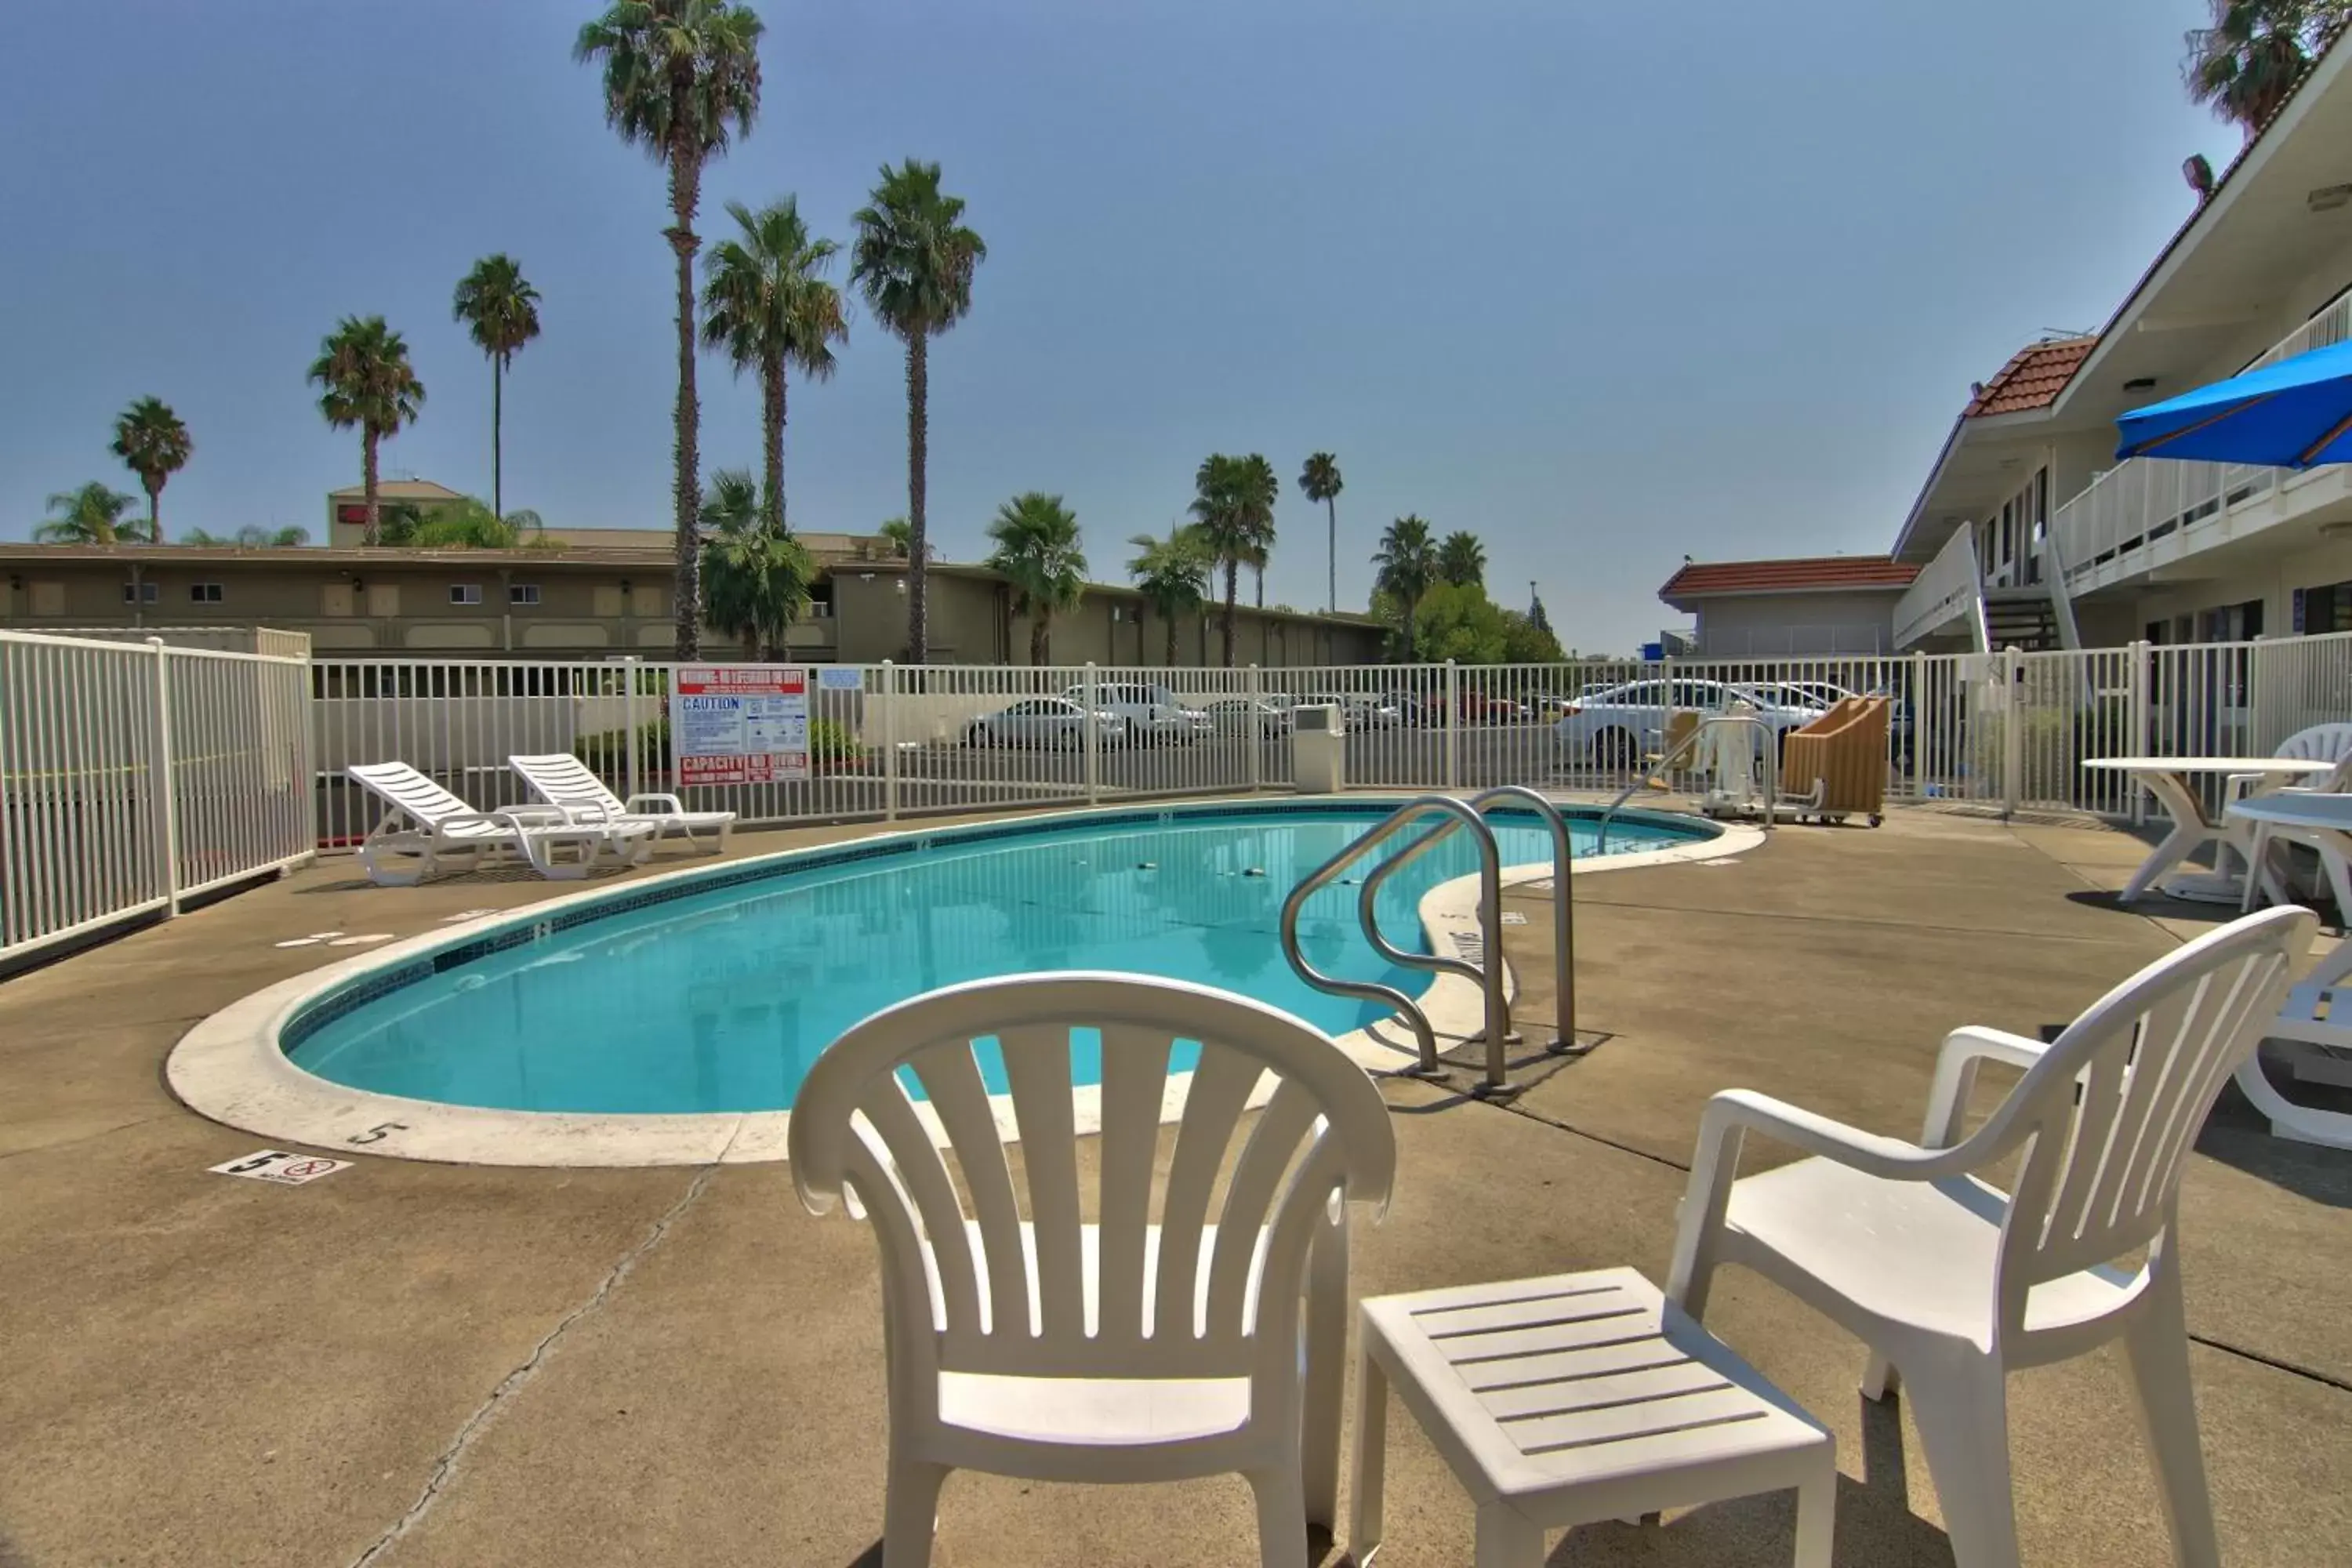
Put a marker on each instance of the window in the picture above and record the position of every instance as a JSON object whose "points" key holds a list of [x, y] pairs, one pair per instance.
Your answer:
{"points": [[139, 593], [465, 593], [522, 593], [204, 593], [2324, 610]]}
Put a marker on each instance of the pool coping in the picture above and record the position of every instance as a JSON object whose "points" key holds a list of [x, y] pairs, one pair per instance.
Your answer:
{"points": [[231, 1067]]}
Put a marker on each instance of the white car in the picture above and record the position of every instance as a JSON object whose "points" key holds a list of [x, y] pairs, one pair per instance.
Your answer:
{"points": [[1045, 722], [1232, 716], [1358, 710], [1152, 713], [1616, 728]]}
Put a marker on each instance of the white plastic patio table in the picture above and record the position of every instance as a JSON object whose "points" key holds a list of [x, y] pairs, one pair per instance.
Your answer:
{"points": [[1574, 1398], [2168, 779]]}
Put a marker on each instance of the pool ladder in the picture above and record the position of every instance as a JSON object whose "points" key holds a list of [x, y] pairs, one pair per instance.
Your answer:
{"points": [[1487, 968], [1770, 751]]}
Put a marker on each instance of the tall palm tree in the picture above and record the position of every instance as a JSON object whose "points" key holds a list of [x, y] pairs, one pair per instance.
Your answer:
{"points": [[1037, 552], [91, 515], [1220, 511], [765, 303], [1462, 560], [915, 259], [1319, 481], [367, 383], [1172, 574], [681, 76], [759, 576], [500, 310], [2247, 63], [1405, 565], [154, 444], [1260, 489]]}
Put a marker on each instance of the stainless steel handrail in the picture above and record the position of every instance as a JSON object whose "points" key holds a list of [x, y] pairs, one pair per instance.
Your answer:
{"points": [[1563, 904], [1772, 754], [1489, 971], [1373, 991]]}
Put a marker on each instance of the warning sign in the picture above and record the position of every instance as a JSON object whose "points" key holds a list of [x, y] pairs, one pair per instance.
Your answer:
{"points": [[287, 1170], [740, 724]]}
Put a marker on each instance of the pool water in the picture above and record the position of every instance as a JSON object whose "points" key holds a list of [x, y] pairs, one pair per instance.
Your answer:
{"points": [[720, 1000]]}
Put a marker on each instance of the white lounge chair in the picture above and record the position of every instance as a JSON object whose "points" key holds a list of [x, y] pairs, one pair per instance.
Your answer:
{"points": [[1039, 1346], [563, 779], [428, 830], [2323, 744], [1953, 1283]]}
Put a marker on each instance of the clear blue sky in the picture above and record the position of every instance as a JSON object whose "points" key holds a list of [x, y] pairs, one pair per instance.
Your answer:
{"points": [[1602, 289]]}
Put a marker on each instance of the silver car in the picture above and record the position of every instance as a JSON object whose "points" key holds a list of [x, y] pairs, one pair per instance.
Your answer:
{"points": [[1045, 722], [1618, 727], [1358, 710]]}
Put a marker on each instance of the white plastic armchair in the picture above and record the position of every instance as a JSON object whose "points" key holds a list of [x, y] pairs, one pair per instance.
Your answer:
{"points": [[1026, 1339], [563, 779], [1953, 1283], [2321, 743]]}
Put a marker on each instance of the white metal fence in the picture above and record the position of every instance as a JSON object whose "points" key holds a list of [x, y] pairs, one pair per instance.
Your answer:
{"points": [[2010, 730], [134, 776]]}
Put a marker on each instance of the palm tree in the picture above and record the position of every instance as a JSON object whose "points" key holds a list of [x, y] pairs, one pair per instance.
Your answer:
{"points": [[759, 576], [764, 302], [1405, 565], [469, 524], [252, 536], [1221, 513], [1260, 489], [1037, 552], [91, 515], [1462, 560], [1172, 574], [363, 369], [500, 310], [154, 444], [900, 537], [1320, 479], [2247, 62], [914, 259], [681, 78]]}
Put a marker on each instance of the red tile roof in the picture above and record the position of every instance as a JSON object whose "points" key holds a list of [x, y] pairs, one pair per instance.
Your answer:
{"points": [[1805, 574], [2032, 378]]}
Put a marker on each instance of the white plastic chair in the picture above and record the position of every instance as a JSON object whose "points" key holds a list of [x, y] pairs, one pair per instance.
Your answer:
{"points": [[1953, 1283], [426, 829], [562, 779], [2319, 744], [1025, 1341]]}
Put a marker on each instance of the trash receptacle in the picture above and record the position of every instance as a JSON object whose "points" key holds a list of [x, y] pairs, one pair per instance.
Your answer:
{"points": [[1318, 749]]}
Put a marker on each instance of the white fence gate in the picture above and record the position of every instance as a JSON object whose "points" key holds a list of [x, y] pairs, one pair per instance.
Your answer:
{"points": [[134, 776]]}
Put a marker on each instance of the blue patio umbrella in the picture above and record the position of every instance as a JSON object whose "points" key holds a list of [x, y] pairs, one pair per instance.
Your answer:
{"points": [[2296, 414]]}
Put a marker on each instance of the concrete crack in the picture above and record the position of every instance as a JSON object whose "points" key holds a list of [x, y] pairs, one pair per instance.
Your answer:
{"points": [[444, 1466]]}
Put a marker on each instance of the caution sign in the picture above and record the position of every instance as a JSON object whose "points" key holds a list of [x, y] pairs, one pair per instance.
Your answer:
{"points": [[282, 1166], [740, 724]]}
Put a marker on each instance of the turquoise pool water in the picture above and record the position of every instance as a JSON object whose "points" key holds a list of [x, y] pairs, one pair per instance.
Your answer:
{"points": [[720, 999]]}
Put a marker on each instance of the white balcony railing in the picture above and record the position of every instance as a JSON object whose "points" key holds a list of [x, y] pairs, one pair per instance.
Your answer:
{"points": [[1948, 589], [2119, 525]]}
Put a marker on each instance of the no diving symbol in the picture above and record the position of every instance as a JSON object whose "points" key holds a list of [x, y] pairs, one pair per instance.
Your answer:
{"points": [[303, 1170]]}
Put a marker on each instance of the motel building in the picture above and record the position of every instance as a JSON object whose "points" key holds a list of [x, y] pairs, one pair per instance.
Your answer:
{"points": [[2027, 533]]}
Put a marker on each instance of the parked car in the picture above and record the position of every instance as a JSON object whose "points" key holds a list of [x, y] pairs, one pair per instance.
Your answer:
{"points": [[1230, 716], [1046, 722], [1153, 713], [1428, 709], [1358, 710], [1829, 694], [1618, 727]]}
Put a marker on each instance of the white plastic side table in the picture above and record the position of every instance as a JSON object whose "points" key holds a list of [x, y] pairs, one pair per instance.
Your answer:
{"points": [[1578, 1398]]}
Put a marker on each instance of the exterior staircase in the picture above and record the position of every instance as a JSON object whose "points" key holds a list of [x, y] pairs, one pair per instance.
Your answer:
{"points": [[2023, 618]]}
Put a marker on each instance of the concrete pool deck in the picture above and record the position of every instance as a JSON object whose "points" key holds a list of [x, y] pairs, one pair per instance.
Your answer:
{"points": [[406, 1363]]}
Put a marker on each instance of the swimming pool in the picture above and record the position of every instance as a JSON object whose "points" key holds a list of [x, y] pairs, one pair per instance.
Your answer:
{"points": [[714, 992]]}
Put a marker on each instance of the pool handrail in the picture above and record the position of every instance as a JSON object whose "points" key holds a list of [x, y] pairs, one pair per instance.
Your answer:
{"points": [[1490, 973], [1563, 945], [1771, 756]]}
